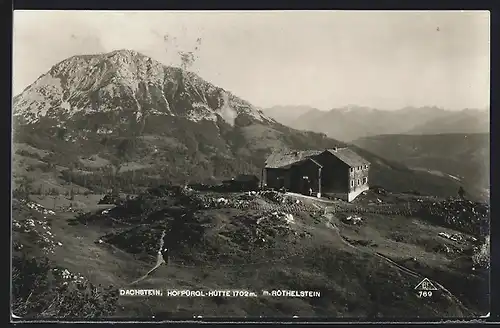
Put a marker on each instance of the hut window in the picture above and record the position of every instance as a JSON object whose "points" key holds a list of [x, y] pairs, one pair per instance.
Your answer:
{"points": [[352, 170], [359, 182], [365, 180], [352, 183]]}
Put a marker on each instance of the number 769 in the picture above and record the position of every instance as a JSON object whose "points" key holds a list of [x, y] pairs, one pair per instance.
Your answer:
{"points": [[424, 293]]}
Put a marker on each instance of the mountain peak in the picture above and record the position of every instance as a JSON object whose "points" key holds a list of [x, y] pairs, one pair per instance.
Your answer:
{"points": [[125, 52], [127, 82]]}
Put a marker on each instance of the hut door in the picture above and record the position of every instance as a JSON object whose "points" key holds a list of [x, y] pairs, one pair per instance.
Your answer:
{"points": [[306, 185]]}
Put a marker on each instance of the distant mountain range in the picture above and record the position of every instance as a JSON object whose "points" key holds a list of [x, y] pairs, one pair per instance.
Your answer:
{"points": [[353, 122]]}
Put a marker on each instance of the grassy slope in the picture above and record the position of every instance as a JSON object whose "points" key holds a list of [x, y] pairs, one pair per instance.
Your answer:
{"points": [[465, 156], [307, 254], [179, 156], [469, 122]]}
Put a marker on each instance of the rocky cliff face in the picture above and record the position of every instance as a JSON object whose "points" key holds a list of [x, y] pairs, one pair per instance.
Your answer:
{"points": [[131, 84]]}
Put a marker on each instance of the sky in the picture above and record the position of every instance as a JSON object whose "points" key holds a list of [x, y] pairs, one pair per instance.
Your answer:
{"points": [[324, 59]]}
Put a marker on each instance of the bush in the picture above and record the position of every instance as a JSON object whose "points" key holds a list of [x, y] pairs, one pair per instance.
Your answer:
{"points": [[481, 257], [37, 292]]}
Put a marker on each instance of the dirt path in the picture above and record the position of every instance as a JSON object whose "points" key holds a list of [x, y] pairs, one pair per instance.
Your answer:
{"points": [[315, 199], [159, 261], [408, 271], [416, 274]]}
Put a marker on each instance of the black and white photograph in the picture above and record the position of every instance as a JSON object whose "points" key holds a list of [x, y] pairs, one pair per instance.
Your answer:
{"points": [[253, 165]]}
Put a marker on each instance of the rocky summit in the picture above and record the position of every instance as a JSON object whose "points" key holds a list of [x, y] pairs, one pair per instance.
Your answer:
{"points": [[129, 84]]}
